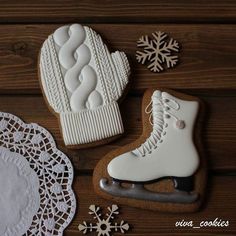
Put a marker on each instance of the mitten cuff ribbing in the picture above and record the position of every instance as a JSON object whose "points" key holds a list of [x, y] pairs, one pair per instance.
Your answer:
{"points": [[91, 125]]}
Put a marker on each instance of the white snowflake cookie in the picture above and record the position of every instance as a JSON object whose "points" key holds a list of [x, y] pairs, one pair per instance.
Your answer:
{"points": [[35, 180], [157, 51], [83, 82]]}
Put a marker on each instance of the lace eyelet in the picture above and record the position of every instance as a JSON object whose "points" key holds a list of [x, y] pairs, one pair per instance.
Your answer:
{"points": [[164, 133], [161, 141], [167, 116], [155, 147], [166, 100], [166, 125], [180, 124]]}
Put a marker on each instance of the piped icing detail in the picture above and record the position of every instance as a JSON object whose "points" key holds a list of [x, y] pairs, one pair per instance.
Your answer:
{"points": [[69, 39], [82, 82], [75, 57]]}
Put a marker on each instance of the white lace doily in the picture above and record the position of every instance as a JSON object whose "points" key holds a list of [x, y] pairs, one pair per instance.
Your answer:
{"points": [[36, 197]]}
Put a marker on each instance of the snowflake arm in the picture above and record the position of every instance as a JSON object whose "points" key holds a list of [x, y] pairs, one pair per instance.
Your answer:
{"points": [[113, 211], [146, 43], [159, 38], [142, 57], [157, 51], [84, 228], [95, 211], [155, 64], [122, 227], [172, 45]]}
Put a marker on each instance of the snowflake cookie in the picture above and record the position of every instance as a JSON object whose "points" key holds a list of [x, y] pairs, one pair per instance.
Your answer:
{"points": [[157, 51], [103, 226], [35, 181]]}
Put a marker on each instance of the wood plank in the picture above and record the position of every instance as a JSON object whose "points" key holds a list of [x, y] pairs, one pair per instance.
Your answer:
{"points": [[207, 58], [220, 203], [117, 11], [75, 233], [219, 133]]}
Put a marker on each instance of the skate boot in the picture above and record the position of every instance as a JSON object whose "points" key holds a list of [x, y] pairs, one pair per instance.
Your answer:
{"points": [[165, 153]]}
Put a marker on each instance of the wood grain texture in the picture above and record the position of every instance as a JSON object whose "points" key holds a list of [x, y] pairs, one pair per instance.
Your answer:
{"points": [[207, 57], [219, 129], [75, 233], [220, 204], [207, 69], [117, 11]]}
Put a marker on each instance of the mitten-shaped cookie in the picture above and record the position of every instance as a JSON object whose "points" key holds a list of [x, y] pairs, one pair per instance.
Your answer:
{"points": [[82, 82]]}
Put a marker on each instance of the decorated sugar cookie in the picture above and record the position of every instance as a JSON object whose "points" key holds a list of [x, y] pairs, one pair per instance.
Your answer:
{"points": [[83, 82], [35, 177], [164, 169]]}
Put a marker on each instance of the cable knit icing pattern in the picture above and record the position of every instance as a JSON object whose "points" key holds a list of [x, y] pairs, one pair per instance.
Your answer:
{"points": [[80, 77], [82, 82], [36, 197]]}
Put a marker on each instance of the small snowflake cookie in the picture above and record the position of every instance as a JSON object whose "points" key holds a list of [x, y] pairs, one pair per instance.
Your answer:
{"points": [[82, 82], [157, 51], [103, 226], [35, 178]]}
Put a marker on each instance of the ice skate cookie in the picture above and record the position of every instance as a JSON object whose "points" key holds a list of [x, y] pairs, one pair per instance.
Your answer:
{"points": [[82, 83], [164, 169]]}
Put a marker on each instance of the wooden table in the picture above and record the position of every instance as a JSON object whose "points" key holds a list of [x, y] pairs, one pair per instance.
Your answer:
{"points": [[207, 69]]}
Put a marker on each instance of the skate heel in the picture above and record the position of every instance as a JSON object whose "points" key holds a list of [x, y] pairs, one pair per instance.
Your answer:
{"points": [[184, 183]]}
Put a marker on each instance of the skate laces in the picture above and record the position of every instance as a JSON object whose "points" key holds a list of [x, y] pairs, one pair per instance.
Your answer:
{"points": [[160, 108]]}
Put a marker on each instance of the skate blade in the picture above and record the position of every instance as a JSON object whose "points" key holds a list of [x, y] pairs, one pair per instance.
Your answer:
{"points": [[138, 191]]}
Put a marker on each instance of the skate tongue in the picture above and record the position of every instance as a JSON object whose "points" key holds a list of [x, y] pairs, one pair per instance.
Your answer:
{"points": [[155, 97], [157, 93], [164, 106], [156, 113]]}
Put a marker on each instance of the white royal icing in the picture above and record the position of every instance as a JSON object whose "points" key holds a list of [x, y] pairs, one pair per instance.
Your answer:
{"points": [[78, 75], [169, 151], [69, 39]]}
